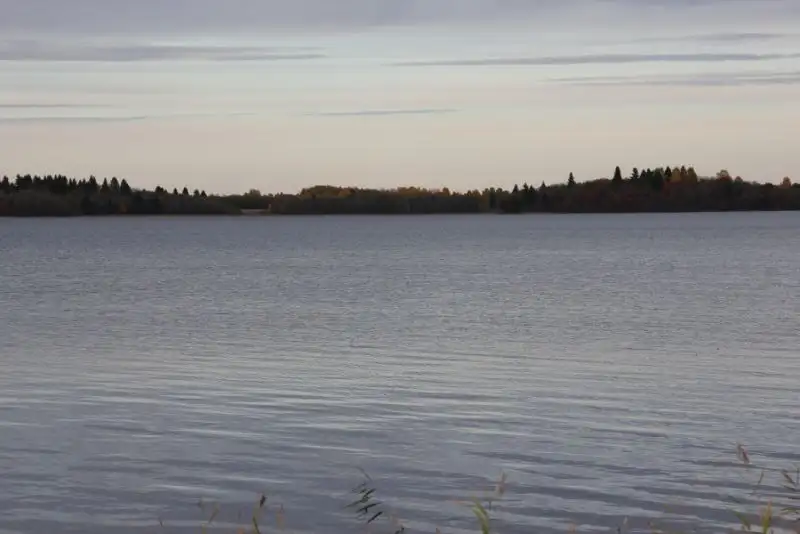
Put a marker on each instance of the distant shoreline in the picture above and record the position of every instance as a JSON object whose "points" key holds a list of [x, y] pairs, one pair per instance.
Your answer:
{"points": [[660, 190], [251, 214]]}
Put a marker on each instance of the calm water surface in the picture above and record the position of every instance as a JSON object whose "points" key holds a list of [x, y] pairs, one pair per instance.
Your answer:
{"points": [[608, 364]]}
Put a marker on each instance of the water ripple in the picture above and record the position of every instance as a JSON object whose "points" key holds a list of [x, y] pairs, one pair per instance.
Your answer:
{"points": [[608, 364]]}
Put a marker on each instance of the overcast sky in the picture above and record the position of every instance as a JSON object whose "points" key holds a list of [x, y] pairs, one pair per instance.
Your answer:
{"points": [[344, 15], [233, 94]]}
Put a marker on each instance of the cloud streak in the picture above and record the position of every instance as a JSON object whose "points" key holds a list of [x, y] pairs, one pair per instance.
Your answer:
{"points": [[33, 50], [715, 80], [739, 37], [24, 120], [39, 105], [385, 112], [718, 37], [118, 118], [597, 59]]}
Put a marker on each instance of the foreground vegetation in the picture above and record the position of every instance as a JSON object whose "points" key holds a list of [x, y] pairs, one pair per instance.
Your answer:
{"points": [[663, 189], [779, 511]]}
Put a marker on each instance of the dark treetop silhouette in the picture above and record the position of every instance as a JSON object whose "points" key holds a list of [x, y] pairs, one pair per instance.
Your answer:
{"points": [[663, 189]]}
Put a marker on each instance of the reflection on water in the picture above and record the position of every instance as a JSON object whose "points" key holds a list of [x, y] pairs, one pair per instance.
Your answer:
{"points": [[608, 364]]}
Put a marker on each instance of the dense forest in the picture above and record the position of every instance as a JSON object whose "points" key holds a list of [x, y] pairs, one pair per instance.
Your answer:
{"points": [[663, 189], [62, 196]]}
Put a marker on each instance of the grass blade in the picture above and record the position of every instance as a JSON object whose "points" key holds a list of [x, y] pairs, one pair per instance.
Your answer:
{"points": [[746, 525], [483, 517]]}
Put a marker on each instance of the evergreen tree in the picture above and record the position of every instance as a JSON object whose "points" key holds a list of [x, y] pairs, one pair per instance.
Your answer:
{"points": [[656, 179], [5, 185], [530, 196], [571, 180], [104, 188], [137, 203], [175, 191], [124, 188], [617, 176], [115, 185], [544, 197], [23, 183], [635, 174], [185, 192]]}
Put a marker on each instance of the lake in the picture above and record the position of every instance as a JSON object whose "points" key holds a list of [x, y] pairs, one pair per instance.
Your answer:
{"points": [[608, 364]]}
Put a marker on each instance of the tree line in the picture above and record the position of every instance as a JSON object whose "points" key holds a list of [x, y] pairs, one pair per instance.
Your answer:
{"points": [[661, 189], [58, 195]]}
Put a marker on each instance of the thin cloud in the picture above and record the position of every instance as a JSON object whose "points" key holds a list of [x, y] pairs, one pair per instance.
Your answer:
{"points": [[385, 112], [14, 120], [734, 37], [716, 80], [45, 51], [126, 118], [38, 105], [721, 37], [598, 59]]}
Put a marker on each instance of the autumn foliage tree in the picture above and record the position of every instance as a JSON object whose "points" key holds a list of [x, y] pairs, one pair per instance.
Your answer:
{"points": [[647, 189]]}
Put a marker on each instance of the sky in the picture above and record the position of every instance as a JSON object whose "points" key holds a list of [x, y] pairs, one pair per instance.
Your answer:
{"points": [[229, 95]]}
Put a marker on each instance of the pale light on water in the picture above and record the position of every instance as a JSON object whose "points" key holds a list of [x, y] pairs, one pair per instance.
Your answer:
{"points": [[609, 364]]}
